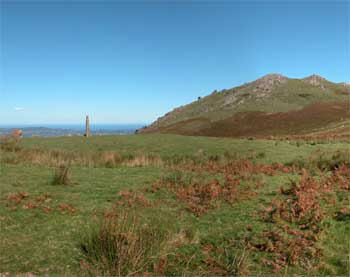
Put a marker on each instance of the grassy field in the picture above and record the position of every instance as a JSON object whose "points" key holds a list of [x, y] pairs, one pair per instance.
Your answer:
{"points": [[173, 146], [190, 205]]}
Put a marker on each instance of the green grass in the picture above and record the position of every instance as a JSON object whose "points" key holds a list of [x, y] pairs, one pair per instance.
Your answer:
{"points": [[172, 146], [48, 243], [33, 241]]}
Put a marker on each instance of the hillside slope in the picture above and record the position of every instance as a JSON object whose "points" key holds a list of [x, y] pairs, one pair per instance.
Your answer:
{"points": [[271, 105]]}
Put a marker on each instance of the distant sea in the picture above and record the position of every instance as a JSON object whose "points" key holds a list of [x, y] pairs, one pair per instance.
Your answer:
{"points": [[53, 130]]}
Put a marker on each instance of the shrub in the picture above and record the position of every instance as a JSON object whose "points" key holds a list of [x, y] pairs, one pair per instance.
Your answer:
{"points": [[323, 160], [123, 243], [343, 214], [332, 161], [10, 144], [62, 176]]}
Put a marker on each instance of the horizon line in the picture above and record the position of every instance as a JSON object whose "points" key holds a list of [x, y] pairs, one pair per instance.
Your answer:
{"points": [[80, 123]]}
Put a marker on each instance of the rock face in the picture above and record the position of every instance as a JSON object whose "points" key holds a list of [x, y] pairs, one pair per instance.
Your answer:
{"points": [[268, 82], [269, 94], [344, 84], [316, 80]]}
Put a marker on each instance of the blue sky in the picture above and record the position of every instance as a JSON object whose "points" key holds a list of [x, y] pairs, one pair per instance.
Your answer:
{"points": [[132, 61]]}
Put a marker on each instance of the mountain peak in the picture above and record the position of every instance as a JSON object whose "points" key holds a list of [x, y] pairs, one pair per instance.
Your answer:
{"points": [[268, 82], [275, 76], [315, 77], [315, 80]]}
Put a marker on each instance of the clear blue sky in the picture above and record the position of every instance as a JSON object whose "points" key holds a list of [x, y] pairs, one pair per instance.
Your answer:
{"points": [[132, 61]]}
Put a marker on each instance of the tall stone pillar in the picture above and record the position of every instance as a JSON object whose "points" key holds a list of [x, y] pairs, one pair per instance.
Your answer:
{"points": [[87, 127]]}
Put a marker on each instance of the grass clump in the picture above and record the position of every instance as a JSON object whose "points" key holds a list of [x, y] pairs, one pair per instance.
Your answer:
{"points": [[124, 243], [62, 176], [227, 260]]}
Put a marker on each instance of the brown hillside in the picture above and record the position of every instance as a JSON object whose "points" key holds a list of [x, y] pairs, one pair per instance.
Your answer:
{"points": [[244, 124]]}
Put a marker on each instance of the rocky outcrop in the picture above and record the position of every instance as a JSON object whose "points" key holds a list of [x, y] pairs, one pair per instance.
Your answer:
{"points": [[316, 80], [268, 83]]}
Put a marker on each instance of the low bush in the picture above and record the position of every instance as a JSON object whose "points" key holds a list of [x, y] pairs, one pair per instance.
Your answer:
{"points": [[343, 214], [323, 160], [331, 161]]}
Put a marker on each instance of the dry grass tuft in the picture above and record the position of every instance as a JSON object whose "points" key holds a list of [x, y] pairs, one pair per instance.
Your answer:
{"points": [[14, 154], [143, 160], [123, 244], [62, 176], [10, 144], [228, 260]]}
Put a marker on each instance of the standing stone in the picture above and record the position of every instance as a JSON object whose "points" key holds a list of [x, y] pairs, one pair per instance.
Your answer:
{"points": [[87, 127]]}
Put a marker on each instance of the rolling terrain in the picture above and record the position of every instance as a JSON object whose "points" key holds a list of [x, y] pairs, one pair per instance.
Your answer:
{"points": [[273, 105], [105, 206]]}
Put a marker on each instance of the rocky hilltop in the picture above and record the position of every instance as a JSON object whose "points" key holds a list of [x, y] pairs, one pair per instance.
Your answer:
{"points": [[271, 105]]}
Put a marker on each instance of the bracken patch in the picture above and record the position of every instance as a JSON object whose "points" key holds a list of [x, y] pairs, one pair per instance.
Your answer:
{"points": [[298, 206], [241, 168], [200, 194]]}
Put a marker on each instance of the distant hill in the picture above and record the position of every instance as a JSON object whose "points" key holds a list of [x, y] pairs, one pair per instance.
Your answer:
{"points": [[271, 105]]}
